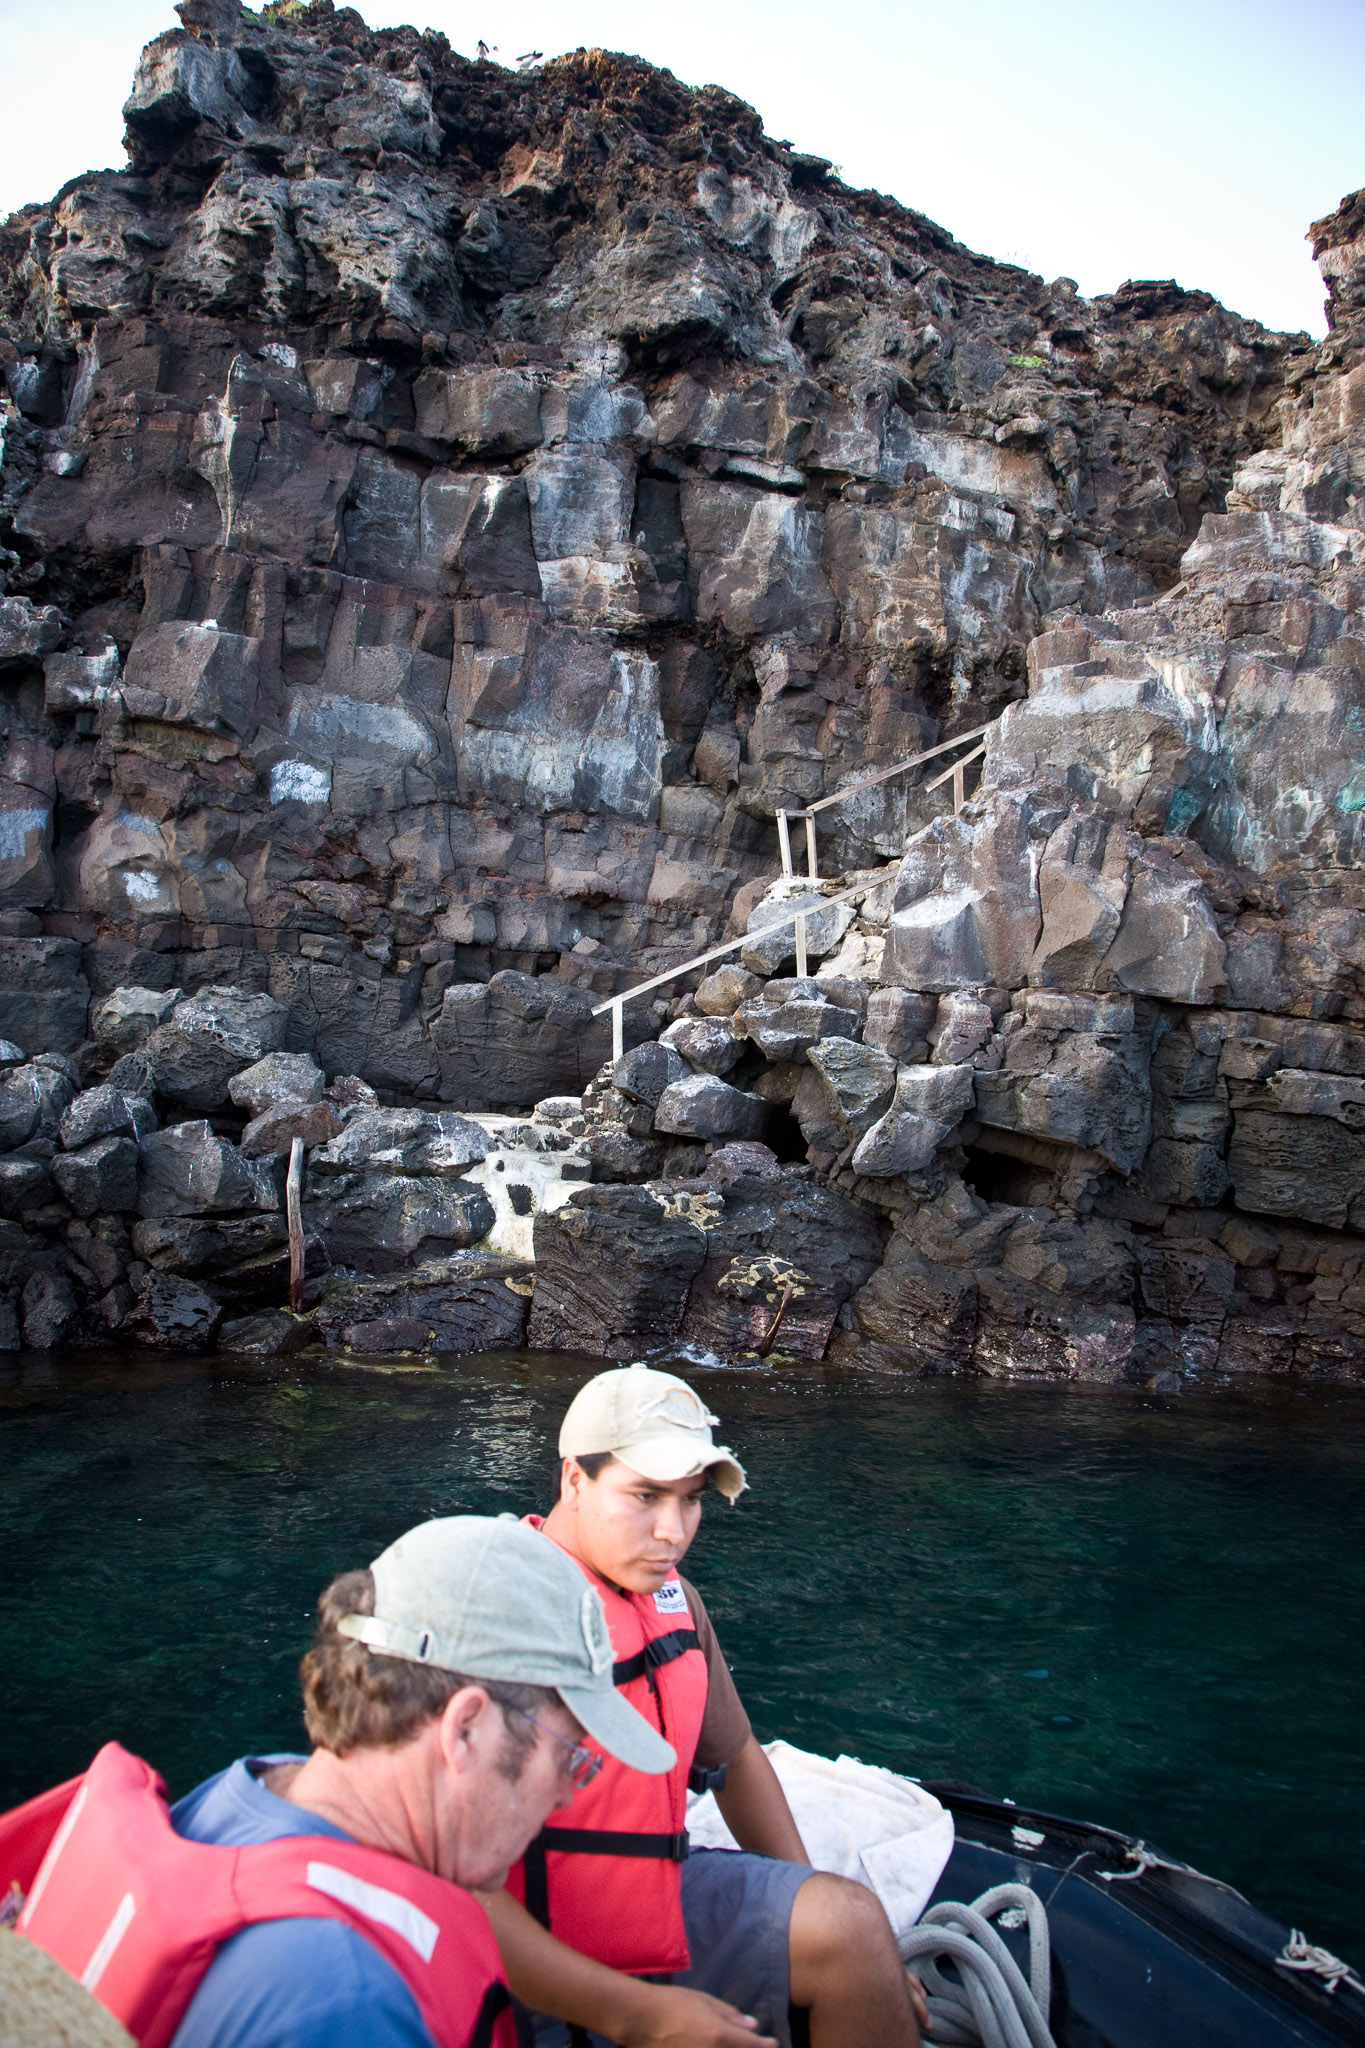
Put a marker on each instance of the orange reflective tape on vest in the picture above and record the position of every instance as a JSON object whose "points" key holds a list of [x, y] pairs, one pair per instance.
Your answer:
{"points": [[135, 1913], [607, 1878]]}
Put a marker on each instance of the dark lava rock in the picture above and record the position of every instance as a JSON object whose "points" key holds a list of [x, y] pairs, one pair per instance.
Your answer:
{"points": [[472, 1301], [646, 1070], [612, 1273], [106, 1112], [50, 1310], [274, 1333], [170, 1314], [376, 1221], [100, 1179]]}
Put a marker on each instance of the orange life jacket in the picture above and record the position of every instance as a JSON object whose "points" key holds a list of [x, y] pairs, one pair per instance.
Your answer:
{"points": [[136, 1913], [608, 1880]]}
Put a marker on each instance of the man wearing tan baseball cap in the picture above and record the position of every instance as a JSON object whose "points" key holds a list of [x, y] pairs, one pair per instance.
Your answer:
{"points": [[757, 1936]]}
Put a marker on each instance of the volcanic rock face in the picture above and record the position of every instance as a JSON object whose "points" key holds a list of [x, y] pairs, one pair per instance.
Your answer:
{"points": [[445, 515]]}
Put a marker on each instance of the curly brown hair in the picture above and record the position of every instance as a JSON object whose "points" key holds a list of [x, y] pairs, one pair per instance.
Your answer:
{"points": [[355, 1699]]}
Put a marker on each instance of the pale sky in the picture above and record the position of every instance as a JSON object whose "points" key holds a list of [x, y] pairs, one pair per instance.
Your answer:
{"points": [[1096, 139]]}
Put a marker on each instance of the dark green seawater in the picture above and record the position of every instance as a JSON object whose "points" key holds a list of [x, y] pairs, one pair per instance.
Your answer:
{"points": [[1140, 1611]]}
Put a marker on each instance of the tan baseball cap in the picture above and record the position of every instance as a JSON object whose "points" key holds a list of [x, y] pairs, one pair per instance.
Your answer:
{"points": [[653, 1422], [486, 1596]]}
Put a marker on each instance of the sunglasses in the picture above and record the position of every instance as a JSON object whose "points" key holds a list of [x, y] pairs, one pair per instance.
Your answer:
{"points": [[583, 1764]]}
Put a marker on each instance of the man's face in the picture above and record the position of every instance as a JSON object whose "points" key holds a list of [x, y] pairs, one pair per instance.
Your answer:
{"points": [[492, 1809], [631, 1530]]}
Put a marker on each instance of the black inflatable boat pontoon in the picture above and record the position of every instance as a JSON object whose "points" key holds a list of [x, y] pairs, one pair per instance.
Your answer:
{"points": [[1146, 1953]]}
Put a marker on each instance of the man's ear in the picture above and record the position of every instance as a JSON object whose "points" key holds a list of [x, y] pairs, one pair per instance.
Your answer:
{"points": [[571, 1477], [458, 1725]]}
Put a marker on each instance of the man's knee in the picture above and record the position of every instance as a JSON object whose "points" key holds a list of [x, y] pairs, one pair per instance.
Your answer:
{"points": [[835, 1919]]}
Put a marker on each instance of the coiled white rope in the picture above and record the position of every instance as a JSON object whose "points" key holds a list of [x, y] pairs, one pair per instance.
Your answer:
{"points": [[988, 2004]]}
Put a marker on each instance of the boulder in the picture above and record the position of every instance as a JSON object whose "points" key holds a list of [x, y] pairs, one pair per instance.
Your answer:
{"points": [[376, 1221], [50, 1310], [33, 1100], [722, 992], [708, 1044], [403, 1141], [915, 1315], [613, 1271], [470, 1302], [703, 1106], [25, 1183], [899, 1021], [100, 1179], [170, 1314], [273, 1132], [105, 1112], [209, 1038], [125, 1018], [846, 1090], [962, 1026], [274, 1333], [646, 1070], [928, 1104], [188, 1171], [213, 1245], [786, 1031], [292, 1077]]}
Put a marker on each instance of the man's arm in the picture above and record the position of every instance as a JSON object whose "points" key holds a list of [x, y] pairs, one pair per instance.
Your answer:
{"points": [[754, 1807], [552, 1978]]}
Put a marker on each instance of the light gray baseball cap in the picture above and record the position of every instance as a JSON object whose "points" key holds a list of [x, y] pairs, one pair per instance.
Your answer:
{"points": [[653, 1422], [491, 1598]]}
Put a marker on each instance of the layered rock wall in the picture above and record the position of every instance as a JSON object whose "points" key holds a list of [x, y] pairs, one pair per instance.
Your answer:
{"points": [[447, 513]]}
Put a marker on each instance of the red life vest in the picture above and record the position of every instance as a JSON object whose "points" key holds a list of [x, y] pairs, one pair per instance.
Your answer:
{"points": [[136, 1913], [609, 1881]]}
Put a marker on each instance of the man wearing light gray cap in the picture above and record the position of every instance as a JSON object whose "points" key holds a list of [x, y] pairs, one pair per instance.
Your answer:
{"points": [[616, 1880], [448, 1694]]}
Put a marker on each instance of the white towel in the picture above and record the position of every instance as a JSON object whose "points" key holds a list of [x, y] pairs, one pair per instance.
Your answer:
{"points": [[856, 1820]]}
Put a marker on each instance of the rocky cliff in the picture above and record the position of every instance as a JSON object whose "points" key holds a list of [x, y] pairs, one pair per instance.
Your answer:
{"points": [[447, 514]]}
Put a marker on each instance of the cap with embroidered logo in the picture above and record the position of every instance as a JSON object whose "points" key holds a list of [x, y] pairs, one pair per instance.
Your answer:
{"points": [[653, 1422], [488, 1597]]}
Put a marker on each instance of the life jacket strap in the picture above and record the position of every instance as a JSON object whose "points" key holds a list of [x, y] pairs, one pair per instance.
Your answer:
{"points": [[611, 1842], [660, 1650], [699, 1780]]}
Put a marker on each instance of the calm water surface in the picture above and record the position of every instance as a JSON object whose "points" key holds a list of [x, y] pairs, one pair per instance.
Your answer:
{"points": [[1149, 1613]]}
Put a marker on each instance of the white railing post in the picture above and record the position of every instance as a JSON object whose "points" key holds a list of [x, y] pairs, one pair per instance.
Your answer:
{"points": [[784, 841], [800, 948], [959, 786], [810, 848], [618, 1029]]}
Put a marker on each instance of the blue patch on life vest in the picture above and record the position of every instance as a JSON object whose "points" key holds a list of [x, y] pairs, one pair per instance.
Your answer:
{"points": [[671, 1599]]}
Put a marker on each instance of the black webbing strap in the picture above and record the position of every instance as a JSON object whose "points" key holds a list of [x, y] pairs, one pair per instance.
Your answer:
{"points": [[537, 1881], [496, 2000], [601, 1842], [663, 1650]]}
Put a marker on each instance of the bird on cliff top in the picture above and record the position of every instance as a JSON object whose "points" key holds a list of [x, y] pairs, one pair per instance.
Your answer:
{"points": [[484, 51], [531, 57]]}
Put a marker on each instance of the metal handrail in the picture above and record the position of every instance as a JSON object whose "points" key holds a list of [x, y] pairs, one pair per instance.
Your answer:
{"points": [[616, 1004], [869, 782]]}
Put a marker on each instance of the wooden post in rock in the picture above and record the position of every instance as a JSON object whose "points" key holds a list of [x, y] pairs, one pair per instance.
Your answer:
{"points": [[810, 848], [800, 948], [293, 1206], [785, 842], [959, 785], [618, 1030]]}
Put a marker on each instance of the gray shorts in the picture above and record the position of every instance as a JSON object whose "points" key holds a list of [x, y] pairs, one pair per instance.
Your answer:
{"points": [[737, 1911]]}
